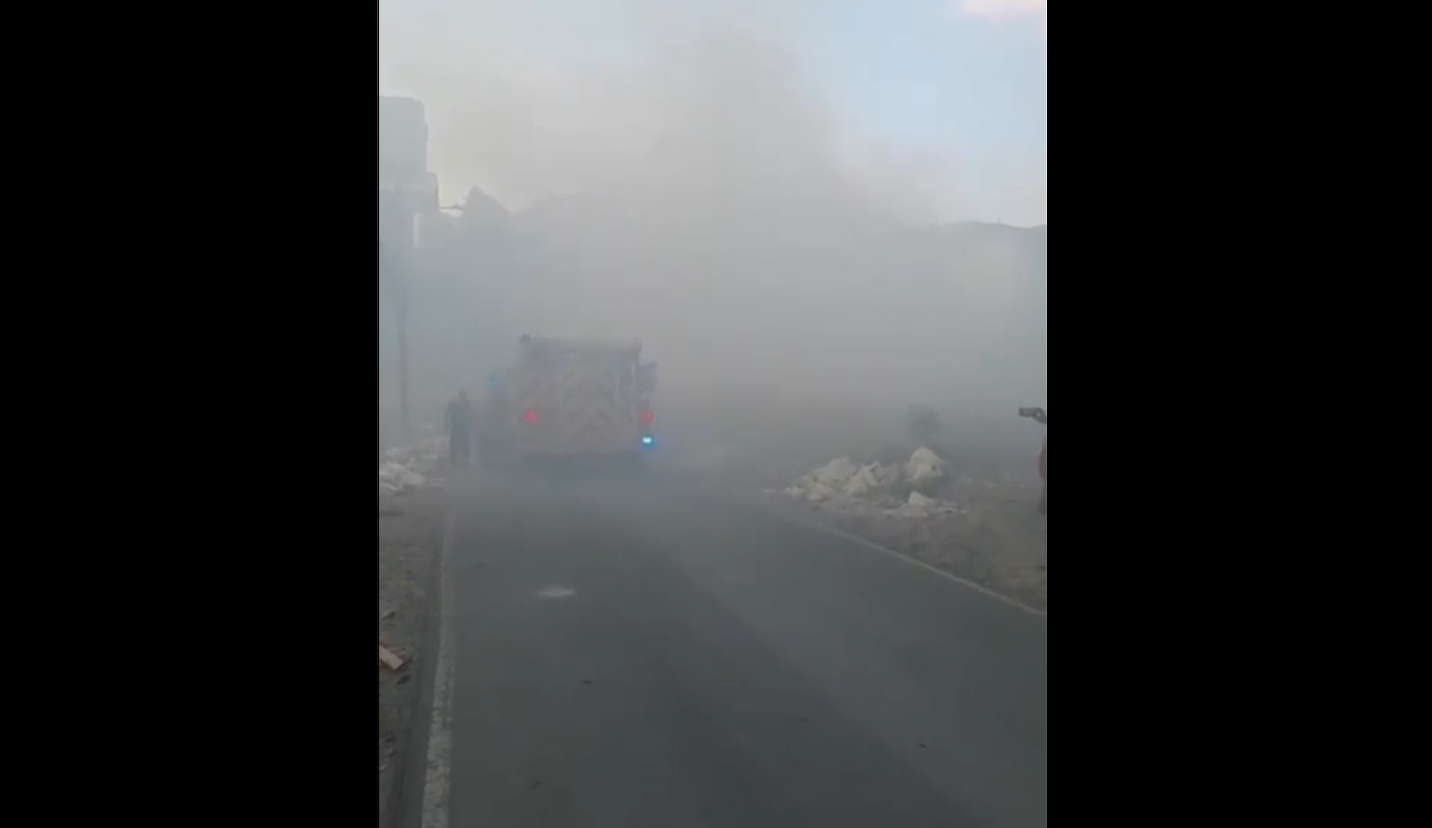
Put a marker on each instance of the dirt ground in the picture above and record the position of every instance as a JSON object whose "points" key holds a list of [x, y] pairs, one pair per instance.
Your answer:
{"points": [[410, 537], [997, 539]]}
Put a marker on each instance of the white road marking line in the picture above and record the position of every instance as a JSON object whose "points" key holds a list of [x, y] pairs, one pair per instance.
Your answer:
{"points": [[900, 556], [436, 782], [555, 591]]}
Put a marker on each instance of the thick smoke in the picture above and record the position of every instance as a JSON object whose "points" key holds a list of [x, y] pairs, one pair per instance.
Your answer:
{"points": [[698, 193]]}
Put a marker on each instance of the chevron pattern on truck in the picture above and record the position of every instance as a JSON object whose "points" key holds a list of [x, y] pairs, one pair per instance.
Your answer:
{"points": [[593, 413], [584, 395]]}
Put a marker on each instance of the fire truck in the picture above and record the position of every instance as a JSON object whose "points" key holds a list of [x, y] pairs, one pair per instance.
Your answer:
{"points": [[571, 398]]}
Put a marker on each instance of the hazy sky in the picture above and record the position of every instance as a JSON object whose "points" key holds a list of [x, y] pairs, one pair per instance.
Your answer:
{"points": [[949, 94]]}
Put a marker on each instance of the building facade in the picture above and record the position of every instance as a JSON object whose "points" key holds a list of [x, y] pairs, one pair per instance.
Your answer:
{"points": [[406, 189]]}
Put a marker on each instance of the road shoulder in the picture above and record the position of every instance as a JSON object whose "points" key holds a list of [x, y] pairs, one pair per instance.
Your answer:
{"points": [[410, 538], [994, 550]]}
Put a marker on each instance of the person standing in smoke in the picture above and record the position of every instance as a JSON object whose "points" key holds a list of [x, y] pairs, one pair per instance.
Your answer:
{"points": [[459, 427]]}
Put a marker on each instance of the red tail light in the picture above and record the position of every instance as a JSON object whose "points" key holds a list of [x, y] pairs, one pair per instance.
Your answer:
{"points": [[530, 416], [647, 416]]}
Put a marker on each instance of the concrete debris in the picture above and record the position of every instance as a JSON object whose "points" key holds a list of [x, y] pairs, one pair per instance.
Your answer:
{"points": [[871, 481], [919, 506], [825, 482], [903, 490], [395, 477], [924, 470], [402, 469], [387, 658]]}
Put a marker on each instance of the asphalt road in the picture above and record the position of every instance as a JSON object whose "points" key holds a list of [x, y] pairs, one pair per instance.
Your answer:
{"points": [[640, 655]]}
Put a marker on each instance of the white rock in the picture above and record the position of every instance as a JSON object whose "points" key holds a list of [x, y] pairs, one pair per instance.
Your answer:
{"points": [[870, 481], [825, 482], [919, 506], [924, 467], [395, 477]]}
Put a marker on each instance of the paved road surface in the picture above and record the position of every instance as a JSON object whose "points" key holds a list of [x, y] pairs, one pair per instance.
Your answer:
{"points": [[635, 655]]}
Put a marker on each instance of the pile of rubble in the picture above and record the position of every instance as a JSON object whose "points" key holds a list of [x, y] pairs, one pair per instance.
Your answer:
{"points": [[403, 469], [909, 490], [984, 530]]}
